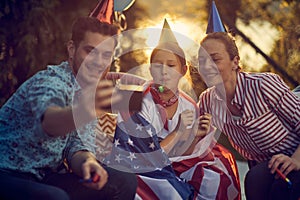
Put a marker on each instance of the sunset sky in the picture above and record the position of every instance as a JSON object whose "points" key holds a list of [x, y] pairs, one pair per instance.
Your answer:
{"points": [[186, 21]]}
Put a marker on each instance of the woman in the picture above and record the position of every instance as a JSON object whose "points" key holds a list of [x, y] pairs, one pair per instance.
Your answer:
{"points": [[258, 113]]}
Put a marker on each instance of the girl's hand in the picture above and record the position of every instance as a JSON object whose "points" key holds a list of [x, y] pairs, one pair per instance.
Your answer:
{"points": [[186, 119], [204, 122]]}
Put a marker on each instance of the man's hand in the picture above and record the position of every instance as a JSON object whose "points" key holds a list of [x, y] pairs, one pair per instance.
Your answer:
{"points": [[85, 165], [94, 101], [105, 97], [92, 169]]}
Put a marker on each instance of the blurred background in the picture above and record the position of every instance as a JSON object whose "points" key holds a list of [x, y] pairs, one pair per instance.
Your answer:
{"points": [[34, 33]]}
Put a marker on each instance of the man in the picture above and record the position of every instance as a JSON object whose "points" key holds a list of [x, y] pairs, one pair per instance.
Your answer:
{"points": [[51, 118]]}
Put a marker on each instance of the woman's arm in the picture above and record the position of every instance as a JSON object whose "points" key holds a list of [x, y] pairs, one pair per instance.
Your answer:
{"points": [[282, 100], [296, 159], [286, 105]]}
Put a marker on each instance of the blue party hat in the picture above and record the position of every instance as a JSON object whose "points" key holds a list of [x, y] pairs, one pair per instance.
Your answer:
{"points": [[214, 22], [122, 5]]}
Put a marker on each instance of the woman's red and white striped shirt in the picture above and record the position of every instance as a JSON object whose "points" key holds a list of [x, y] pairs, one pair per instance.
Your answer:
{"points": [[270, 122]]}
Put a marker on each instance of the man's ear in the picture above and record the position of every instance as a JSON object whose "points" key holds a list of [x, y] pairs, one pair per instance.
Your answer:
{"points": [[71, 49]]}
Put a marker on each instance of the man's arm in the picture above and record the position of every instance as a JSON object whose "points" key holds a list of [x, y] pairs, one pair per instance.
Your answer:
{"points": [[58, 121]]}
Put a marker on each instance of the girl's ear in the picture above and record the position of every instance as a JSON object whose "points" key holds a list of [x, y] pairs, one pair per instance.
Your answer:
{"points": [[184, 69]]}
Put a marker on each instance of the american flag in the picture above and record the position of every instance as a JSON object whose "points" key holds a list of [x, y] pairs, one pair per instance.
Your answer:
{"points": [[211, 170], [206, 174], [213, 176], [136, 149]]}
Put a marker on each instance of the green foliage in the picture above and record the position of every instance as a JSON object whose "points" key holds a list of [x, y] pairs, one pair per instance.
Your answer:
{"points": [[33, 34], [284, 16]]}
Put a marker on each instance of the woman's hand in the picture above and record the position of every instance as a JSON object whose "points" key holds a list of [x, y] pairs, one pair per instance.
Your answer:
{"points": [[286, 163]]}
